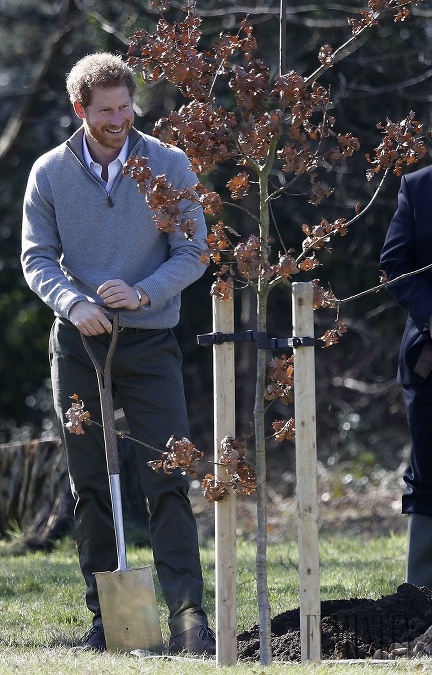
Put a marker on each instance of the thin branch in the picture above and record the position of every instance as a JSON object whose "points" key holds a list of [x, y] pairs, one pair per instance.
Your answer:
{"points": [[362, 91], [292, 14], [16, 120], [375, 289], [350, 45], [242, 208], [104, 24], [353, 43], [276, 227], [222, 64], [121, 434], [349, 222]]}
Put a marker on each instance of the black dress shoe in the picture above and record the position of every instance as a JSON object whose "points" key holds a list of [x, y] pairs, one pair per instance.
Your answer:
{"points": [[93, 640], [198, 640]]}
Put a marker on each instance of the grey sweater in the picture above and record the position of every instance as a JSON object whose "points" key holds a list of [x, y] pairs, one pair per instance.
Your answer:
{"points": [[73, 239]]}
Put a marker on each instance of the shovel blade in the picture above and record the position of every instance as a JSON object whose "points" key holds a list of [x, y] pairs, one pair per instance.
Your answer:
{"points": [[129, 611]]}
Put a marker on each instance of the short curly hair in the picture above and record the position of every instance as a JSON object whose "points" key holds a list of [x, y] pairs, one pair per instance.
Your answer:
{"points": [[98, 70]]}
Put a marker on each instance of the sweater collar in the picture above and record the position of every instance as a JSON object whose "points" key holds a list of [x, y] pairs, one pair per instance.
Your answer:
{"points": [[76, 140]]}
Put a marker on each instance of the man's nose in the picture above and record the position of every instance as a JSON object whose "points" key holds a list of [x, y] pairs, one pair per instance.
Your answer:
{"points": [[117, 118]]}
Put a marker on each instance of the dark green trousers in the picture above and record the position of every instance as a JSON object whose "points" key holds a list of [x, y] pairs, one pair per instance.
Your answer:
{"points": [[147, 380]]}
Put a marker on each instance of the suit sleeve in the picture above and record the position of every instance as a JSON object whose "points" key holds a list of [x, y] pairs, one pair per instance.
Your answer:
{"points": [[400, 256]]}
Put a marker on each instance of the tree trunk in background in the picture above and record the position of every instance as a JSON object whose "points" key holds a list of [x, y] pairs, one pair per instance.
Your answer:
{"points": [[35, 495]]}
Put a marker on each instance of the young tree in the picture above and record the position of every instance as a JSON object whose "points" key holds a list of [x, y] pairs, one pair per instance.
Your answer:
{"points": [[278, 135]]}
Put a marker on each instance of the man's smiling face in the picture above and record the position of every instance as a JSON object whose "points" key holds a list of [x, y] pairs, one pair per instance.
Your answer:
{"points": [[107, 119]]}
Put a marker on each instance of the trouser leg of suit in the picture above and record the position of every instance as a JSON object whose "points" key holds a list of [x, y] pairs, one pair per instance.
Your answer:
{"points": [[147, 379], [419, 550], [417, 497]]}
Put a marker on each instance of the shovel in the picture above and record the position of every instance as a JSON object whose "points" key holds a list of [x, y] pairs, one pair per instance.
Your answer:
{"points": [[127, 597]]}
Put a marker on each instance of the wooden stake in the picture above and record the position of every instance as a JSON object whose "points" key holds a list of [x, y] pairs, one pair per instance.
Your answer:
{"points": [[225, 511], [306, 470]]}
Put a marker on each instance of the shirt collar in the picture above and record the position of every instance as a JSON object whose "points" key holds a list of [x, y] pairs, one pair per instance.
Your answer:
{"points": [[122, 156]]}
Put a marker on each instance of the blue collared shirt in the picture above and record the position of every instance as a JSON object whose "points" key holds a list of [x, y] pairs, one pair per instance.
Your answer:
{"points": [[114, 167]]}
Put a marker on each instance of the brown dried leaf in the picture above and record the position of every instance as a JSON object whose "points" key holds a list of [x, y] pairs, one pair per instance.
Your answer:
{"points": [[214, 490], [239, 185], [286, 267], [333, 335], [284, 430], [233, 452], [309, 263], [280, 378], [77, 416], [243, 482], [222, 289], [402, 145], [182, 455], [321, 297]]}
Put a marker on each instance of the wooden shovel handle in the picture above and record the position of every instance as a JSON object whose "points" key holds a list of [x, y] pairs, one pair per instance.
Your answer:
{"points": [[103, 373]]}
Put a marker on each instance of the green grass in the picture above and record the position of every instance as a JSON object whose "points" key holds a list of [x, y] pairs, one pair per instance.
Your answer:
{"points": [[42, 612]]}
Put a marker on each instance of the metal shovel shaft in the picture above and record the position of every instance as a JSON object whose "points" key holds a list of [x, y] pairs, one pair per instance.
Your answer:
{"points": [[114, 483]]}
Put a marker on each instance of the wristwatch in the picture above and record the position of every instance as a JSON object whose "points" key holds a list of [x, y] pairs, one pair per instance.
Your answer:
{"points": [[139, 295]]}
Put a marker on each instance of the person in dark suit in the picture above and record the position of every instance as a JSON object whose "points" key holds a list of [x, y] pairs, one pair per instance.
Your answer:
{"points": [[408, 247]]}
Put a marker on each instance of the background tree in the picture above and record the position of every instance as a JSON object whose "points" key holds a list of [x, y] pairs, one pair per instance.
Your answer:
{"points": [[278, 136]]}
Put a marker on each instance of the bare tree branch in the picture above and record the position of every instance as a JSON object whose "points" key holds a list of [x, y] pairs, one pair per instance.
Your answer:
{"points": [[292, 13], [104, 24], [375, 289], [362, 90], [349, 222], [66, 22]]}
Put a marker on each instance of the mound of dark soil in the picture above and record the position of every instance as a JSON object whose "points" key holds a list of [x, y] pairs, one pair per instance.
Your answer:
{"points": [[351, 629]]}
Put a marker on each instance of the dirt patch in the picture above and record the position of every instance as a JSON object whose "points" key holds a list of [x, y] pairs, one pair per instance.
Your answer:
{"points": [[351, 629], [355, 628]]}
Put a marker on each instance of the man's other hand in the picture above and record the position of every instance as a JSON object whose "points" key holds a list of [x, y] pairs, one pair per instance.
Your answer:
{"points": [[117, 294], [89, 318]]}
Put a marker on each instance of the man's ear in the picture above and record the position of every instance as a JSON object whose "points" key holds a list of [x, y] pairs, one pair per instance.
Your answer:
{"points": [[79, 110]]}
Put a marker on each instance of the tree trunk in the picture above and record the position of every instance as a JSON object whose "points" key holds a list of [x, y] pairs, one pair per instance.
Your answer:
{"points": [[35, 495], [259, 422]]}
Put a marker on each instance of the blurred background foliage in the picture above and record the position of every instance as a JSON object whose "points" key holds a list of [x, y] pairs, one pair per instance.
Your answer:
{"points": [[360, 416]]}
